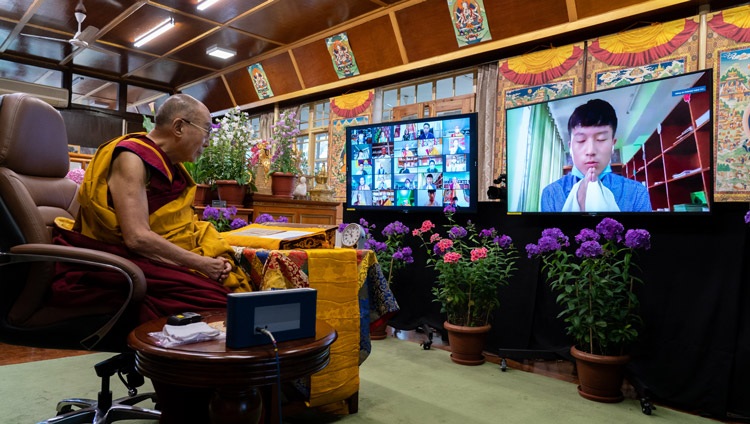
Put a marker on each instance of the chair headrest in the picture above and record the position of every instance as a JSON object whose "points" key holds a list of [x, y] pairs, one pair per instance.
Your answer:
{"points": [[33, 140]]}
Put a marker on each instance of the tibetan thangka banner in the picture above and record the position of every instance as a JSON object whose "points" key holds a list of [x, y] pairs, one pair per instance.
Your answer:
{"points": [[342, 56], [532, 78], [337, 158], [469, 21], [642, 54], [728, 49], [260, 81]]}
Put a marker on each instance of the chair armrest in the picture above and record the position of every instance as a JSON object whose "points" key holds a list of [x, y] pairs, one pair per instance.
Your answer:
{"points": [[41, 252]]}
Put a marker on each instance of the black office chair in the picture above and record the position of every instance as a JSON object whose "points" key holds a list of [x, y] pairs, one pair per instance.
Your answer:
{"points": [[33, 192]]}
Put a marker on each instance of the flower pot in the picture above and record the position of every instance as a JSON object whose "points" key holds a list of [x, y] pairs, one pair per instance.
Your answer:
{"points": [[600, 376], [282, 184], [467, 343], [231, 192], [202, 195], [378, 332]]}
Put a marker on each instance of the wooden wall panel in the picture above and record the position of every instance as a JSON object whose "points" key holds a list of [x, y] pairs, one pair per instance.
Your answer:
{"points": [[588, 8], [281, 75], [212, 93], [242, 86], [427, 30], [374, 45], [514, 17], [315, 64]]}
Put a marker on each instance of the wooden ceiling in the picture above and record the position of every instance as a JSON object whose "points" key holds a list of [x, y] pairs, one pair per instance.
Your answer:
{"points": [[388, 37]]}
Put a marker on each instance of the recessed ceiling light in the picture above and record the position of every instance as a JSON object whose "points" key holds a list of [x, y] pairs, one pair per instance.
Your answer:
{"points": [[220, 52], [205, 4], [154, 32]]}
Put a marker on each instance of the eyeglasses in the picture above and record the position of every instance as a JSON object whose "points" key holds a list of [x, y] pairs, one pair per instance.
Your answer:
{"points": [[197, 126]]}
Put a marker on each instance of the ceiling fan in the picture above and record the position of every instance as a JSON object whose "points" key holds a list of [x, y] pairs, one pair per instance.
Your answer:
{"points": [[81, 39]]}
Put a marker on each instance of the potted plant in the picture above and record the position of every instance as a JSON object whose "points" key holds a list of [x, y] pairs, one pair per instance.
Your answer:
{"points": [[392, 257], [594, 286], [227, 157], [285, 158], [471, 265]]}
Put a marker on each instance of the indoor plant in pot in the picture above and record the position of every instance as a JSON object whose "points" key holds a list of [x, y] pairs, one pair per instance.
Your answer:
{"points": [[594, 286], [227, 156], [285, 159], [471, 265]]}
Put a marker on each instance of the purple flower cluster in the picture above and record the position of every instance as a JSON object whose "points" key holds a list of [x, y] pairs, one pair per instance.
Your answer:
{"points": [[503, 241], [589, 249], [587, 234], [457, 232], [747, 217], [404, 254], [394, 228], [449, 209], [263, 218], [76, 175], [375, 246], [638, 239], [610, 229], [223, 219]]}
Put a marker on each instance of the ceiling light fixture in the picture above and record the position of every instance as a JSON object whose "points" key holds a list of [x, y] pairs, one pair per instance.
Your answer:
{"points": [[205, 4], [154, 32], [220, 52]]}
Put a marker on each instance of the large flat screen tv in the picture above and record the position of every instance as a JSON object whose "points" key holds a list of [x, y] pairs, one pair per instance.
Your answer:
{"points": [[644, 147], [418, 164]]}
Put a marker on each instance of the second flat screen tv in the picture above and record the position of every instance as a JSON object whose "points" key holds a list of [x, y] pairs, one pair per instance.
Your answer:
{"points": [[656, 158], [419, 164]]}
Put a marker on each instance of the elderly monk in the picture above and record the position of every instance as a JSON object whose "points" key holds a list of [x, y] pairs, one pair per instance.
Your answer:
{"points": [[136, 201]]}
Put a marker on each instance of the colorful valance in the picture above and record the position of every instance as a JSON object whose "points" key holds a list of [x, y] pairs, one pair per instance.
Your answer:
{"points": [[733, 24], [644, 45], [540, 67], [351, 105]]}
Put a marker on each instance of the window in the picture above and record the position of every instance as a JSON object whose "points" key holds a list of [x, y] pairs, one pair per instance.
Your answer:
{"points": [[416, 99], [314, 119]]}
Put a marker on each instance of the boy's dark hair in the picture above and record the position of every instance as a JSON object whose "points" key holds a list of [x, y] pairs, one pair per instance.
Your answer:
{"points": [[594, 113]]}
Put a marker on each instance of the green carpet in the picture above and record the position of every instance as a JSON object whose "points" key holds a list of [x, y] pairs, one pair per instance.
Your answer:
{"points": [[400, 383]]}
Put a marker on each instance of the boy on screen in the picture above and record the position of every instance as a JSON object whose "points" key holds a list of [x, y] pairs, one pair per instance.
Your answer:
{"points": [[591, 185]]}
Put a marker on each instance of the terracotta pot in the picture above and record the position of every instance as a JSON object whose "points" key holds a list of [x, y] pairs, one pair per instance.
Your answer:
{"points": [[282, 184], [231, 192], [378, 332], [202, 195], [467, 343], [600, 376]]}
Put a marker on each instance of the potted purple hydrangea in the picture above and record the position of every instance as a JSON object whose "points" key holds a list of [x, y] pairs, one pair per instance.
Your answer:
{"points": [[594, 282]]}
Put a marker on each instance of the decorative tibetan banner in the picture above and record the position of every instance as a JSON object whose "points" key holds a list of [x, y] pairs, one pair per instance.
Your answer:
{"points": [[337, 170], [655, 51], [728, 49], [260, 81], [544, 75], [342, 56], [469, 21], [348, 109]]}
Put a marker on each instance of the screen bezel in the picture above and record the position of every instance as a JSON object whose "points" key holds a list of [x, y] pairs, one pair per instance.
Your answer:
{"points": [[471, 161], [609, 92]]}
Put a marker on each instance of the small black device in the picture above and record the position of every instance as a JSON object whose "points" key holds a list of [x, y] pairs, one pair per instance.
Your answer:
{"points": [[184, 318], [288, 314]]}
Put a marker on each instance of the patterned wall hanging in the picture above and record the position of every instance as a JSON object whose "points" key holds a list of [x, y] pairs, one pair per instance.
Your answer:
{"points": [[728, 50], [544, 75], [469, 21], [342, 56], [260, 81], [348, 109]]}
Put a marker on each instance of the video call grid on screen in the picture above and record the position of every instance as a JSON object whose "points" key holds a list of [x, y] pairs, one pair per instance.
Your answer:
{"points": [[417, 164], [641, 109]]}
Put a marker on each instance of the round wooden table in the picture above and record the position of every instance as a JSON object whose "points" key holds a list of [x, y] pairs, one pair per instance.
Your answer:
{"points": [[208, 382]]}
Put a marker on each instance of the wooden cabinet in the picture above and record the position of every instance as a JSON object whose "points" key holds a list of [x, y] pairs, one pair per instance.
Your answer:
{"points": [[675, 160], [297, 211]]}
